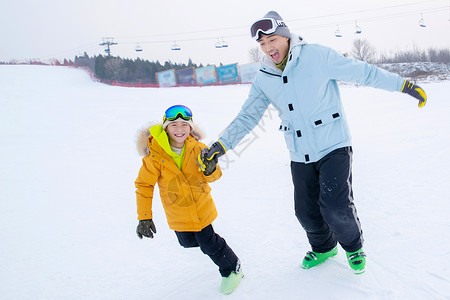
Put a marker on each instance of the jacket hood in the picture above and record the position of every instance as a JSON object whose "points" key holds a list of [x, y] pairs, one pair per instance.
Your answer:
{"points": [[295, 41], [143, 135]]}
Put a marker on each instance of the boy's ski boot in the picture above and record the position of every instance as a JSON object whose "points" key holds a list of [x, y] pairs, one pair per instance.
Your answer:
{"points": [[231, 282], [313, 259], [357, 261]]}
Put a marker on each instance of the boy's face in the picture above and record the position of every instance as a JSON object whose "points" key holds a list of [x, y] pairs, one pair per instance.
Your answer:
{"points": [[274, 46], [178, 132]]}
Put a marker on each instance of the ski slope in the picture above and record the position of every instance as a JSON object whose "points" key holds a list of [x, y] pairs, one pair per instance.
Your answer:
{"points": [[68, 215]]}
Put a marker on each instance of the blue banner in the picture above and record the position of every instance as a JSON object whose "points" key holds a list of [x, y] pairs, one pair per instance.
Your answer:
{"points": [[228, 74]]}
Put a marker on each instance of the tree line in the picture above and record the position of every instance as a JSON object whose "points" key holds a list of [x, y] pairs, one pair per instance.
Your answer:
{"points": [[112, 68], [364, 51]]}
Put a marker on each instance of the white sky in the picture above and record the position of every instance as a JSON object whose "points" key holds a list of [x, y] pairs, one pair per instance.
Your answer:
{"points": [[47, 29]]}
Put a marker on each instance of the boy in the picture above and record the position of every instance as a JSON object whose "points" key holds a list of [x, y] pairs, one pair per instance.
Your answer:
{"points": [[170, 155]]}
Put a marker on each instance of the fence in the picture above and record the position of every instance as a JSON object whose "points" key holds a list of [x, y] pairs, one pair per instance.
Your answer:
{"points": [[204, 76]]}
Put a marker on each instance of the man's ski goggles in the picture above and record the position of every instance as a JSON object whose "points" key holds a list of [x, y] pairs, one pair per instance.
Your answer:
{"points": [[177, 111], [265, 26]]}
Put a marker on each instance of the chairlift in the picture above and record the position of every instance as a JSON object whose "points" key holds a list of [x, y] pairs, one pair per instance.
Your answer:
{"points": [[337, 33], [175, 46], [224, 44], [422, 22], [138, 48], [218, 44], [358, 29]]}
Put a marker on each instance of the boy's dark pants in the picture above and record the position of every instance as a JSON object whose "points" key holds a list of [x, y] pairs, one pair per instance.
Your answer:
{"points": [[323, 199], [212, 245]]}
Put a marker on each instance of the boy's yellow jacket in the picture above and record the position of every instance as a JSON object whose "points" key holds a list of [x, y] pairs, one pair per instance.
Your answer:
{"points": [[185, 193]]}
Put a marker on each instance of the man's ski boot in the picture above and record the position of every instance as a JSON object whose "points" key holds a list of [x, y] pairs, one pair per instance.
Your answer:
{"points": [[231, 282], [357, 261], [313, 259]]}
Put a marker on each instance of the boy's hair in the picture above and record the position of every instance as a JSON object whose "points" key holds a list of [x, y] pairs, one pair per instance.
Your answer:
{"points": [[167, 122]]}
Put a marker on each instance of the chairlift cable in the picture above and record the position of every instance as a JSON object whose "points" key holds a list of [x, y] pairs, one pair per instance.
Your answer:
{"points": [[291, 20]]}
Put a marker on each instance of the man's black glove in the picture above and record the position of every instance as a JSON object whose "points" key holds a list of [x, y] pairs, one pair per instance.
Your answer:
{"points": [[145, 228], [216, 150], [415, 91], [211, 155]]}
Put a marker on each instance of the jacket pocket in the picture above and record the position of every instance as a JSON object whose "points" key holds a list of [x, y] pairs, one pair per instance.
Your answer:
{"points": [[286, 128], [329, 128]]}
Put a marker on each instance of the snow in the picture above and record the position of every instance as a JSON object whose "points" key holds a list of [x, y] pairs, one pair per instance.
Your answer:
{"points": [[68, 213]]}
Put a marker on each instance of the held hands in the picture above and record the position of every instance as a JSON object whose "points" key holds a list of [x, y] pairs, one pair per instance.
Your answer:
{"points": [[146, 228], [415, 91], [209, 157], [207, 166]]}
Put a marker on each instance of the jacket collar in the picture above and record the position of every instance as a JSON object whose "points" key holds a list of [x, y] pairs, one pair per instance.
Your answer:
{"points": [[143, 135], [160, 135], [159, 153]]}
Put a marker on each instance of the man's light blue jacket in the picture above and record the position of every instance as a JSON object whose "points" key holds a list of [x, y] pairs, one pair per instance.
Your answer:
{"points": [[306, 96]]}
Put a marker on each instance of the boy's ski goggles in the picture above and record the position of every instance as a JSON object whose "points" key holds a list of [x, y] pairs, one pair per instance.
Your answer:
{"points": [[177, 111], [265, 26]]}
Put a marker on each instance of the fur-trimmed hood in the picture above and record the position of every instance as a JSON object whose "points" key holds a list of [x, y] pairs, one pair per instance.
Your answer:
{"points": [[143, 135]]}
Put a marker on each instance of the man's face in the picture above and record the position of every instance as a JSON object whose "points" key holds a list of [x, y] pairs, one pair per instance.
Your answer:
{"points": [[274, 46]]}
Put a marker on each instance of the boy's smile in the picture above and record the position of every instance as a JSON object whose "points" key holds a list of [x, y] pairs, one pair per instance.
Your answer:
{"points": [[178, 132], [179, 135]]}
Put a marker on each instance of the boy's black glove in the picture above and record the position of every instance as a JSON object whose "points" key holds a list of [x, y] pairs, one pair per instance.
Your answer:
{"points": [[208, 166], [145, 228], [211, 155], [415, 91]]}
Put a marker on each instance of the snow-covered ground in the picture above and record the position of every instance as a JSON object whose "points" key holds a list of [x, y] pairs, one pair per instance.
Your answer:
{"points": [[67, 205]]}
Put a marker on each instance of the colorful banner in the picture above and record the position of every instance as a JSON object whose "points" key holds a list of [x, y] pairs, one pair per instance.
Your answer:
{"points": [[248, 72], [166, 78], [228, 74], [186, 77], [206, 75]]}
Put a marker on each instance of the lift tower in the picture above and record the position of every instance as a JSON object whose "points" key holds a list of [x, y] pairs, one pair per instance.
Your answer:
{"points": [[107, 42]]}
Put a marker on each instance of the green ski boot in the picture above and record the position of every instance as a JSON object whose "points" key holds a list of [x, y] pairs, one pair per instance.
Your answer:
{"points": [[313, 259], [357, 261], [231, 282]]}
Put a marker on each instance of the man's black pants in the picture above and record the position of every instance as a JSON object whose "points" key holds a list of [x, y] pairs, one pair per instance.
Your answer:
{"points": [[324, 205]]}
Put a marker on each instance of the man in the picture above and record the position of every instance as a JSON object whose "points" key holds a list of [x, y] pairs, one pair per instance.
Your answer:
{"points": [[300, 81]]}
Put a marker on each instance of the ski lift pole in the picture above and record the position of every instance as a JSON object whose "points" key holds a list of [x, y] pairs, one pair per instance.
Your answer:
{"points": [[108, 42]]}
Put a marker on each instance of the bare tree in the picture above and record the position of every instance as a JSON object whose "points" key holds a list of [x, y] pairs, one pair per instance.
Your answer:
{"points": [[363, 50], [114, 68], [255, 54]]}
